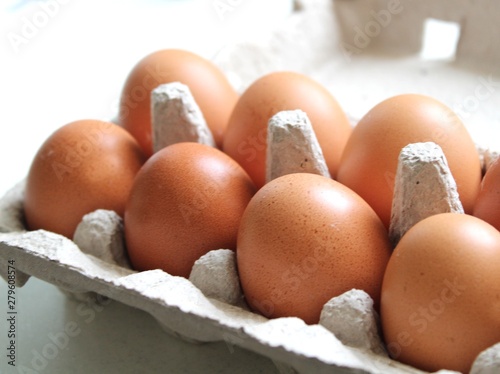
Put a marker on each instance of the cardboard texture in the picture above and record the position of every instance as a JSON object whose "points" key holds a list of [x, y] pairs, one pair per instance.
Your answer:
{"points": [[339, 44], [292, 146], [423, 186]]}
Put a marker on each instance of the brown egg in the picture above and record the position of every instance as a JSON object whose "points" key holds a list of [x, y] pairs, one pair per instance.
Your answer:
{"points": [[370, 158], [210, 88], [84, 166], [304, 239], [246, 135], [188, 199], [487, 206], [440, 304]]}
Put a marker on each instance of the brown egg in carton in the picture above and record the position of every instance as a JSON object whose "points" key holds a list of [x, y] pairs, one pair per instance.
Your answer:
{"points": [[210, 305]]}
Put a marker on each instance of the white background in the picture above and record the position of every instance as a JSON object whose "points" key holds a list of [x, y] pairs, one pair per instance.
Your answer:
{"points": [[71, 65]]}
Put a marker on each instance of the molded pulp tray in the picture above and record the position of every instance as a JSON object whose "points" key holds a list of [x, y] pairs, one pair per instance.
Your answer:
{"points": [[339, 44]]}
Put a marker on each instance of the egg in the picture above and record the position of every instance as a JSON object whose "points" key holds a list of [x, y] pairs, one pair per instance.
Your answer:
{"points": [[210, 88], [369, 162], [187, 200], [440, 303], [246, 134], [487, 205], [304, 239], [83, 166]]}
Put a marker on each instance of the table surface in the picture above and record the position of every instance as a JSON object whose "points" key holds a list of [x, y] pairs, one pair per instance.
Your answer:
{"points": [[67, 60]]}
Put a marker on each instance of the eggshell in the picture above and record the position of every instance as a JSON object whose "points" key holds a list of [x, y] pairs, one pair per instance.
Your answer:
{"points": [[84, 166], [187, 200], [210, 88], [369, 161], [487, 206], [246, 134], [440, 304], [304, 239]]}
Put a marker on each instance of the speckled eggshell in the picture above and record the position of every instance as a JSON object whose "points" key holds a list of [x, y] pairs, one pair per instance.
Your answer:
{"points": [[304, 239], [187, 200], [369, 162], [84, 166], [440, 304], [246, 134], [210, 88]]}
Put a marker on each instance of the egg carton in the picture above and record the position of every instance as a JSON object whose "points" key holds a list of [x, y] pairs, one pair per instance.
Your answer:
{"points": [[339, 44]]}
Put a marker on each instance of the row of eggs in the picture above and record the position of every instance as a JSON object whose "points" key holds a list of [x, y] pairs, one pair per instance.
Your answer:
{"points": [[300, 239]]}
